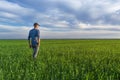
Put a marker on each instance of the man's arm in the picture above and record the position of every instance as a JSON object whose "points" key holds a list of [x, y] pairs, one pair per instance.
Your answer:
{"points": [[38, 35], [29, 40], [39, 42]]}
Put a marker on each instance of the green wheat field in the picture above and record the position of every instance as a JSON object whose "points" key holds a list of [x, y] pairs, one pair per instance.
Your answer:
{"points": [[60, 60]]}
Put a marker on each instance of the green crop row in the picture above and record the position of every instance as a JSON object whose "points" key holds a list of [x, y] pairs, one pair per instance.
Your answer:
{"points": [[60, 60]]}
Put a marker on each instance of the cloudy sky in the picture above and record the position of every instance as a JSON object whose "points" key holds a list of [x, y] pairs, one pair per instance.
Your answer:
{"points": [[60, 18]]}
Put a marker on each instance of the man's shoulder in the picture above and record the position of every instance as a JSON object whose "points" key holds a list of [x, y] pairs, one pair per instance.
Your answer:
{"points": [[31, 30], [37, 30], [34, 30]]}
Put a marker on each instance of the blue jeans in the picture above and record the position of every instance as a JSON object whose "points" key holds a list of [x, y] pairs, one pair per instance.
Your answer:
{"points": [[35, 51]]}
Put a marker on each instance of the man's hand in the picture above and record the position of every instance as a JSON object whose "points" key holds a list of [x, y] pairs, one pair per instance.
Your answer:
{"points": [[30, 46], [38, 44], [29, 41]]}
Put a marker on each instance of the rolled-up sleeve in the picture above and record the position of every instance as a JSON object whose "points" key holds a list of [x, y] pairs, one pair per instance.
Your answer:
{"points": [[29, 36], [38, 34]]}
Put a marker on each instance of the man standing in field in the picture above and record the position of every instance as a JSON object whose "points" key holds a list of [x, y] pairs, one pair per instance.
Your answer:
{"points": [[34, 39]]}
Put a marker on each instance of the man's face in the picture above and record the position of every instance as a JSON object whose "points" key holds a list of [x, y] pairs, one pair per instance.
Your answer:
{"points": [[37, 26]]}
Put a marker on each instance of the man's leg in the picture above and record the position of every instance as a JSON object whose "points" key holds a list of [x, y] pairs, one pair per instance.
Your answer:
{"points": [[35, 51]]}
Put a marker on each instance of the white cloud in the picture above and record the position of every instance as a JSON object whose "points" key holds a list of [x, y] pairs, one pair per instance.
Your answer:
{"points": [[73, 4], [22, 32], [14, 28], [14, 8], [19, 29], [8, 15], [55, 18], [80, 34], [107, 5], [14, 13], [100, 8], [96, 9], [13, 32], [58, 23], [99, 27], [8, 20], [16, 32]]}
